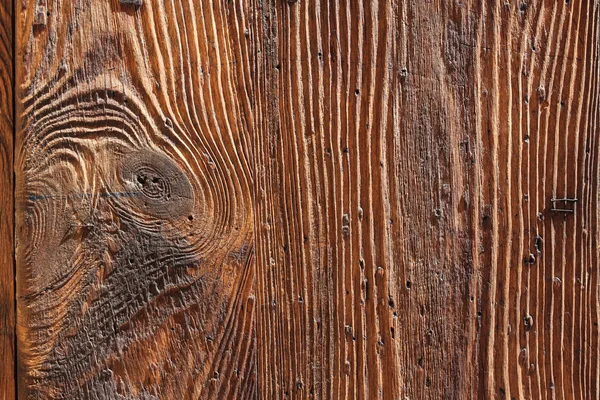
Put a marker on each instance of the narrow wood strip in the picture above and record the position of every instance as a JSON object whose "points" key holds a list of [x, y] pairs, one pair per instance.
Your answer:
{"points": [[537, 121], [7, 293]]}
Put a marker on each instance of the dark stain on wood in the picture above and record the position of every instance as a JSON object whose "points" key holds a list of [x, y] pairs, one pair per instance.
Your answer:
{"points": [[165, 191]]}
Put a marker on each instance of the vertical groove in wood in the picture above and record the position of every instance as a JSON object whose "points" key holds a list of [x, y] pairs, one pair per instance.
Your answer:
{"points": [[7, 293]]}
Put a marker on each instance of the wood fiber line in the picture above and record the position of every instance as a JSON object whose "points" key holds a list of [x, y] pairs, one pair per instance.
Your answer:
{"points": [[7, 279], [537, 98], [135, 252]]}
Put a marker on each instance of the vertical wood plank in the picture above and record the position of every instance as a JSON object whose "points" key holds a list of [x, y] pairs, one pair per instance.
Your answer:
{"points": [[410, 158], [418, 179], [364, 232], [134, 200], [7, 293], [537, 118]]}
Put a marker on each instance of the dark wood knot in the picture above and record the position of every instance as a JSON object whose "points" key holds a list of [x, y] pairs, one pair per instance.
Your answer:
{"points": [[164, 189]]}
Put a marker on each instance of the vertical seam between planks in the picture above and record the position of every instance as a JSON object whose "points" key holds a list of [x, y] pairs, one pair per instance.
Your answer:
{"points": [[13, 19]]}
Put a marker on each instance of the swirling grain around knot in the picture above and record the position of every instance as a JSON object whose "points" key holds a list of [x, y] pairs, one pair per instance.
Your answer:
{"points": [[135, 212], [164, 189]]}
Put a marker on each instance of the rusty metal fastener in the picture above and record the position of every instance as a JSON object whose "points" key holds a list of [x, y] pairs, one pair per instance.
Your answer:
{"points": [[563, 200]]}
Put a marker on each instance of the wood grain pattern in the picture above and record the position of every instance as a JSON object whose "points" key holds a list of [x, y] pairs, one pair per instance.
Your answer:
{"points": [[538, 91], [406, 246], [364, 257], [307, 199], [7, 279], [135, 219]]}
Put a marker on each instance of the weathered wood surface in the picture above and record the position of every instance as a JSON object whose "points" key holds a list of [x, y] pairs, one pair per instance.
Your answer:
{"points": [[134, 195], [312, 199], [7, 279], [537, 118], [406, 246]]}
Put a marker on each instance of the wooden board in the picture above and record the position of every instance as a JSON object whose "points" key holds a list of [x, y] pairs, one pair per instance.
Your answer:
{"points": [[406, 247], [367, 263], [134, 197], [538, 121], [7, 278], [311, 199]]}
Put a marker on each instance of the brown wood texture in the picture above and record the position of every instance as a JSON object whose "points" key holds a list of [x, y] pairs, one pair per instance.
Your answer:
{"points": [[406, 246], [134, 200], [7, 278], [312, 199]]}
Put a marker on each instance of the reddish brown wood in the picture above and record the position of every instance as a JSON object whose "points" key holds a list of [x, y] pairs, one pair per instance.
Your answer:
{"points": [[408, 156], [305, 199], [135, 261], [7, 293]]}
